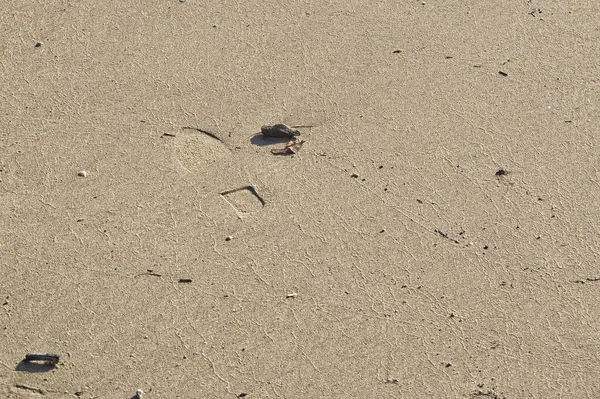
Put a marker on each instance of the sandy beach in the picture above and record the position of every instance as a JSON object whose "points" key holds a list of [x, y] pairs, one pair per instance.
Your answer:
{"points": [[435, 236]]}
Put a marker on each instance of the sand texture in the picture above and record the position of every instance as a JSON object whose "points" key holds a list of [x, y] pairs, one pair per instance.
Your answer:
{"points": [[435, 236]]}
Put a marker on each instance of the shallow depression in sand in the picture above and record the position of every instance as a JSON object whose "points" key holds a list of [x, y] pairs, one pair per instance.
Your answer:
{"points": [[197, 151]]}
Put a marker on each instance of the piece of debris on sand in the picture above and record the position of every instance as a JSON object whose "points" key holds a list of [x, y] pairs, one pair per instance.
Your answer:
{"points": [[290, 148], [279, 130]]}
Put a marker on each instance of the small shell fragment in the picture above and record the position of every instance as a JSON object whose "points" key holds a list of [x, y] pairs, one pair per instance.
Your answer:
{"points": [[290, 148], [292, 295]]}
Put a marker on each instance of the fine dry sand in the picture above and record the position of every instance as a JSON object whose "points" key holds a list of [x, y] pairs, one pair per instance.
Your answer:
{"points": [[435, 237]]}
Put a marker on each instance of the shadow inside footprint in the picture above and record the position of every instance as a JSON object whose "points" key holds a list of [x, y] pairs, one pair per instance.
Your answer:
{"points": [[245, 200]]}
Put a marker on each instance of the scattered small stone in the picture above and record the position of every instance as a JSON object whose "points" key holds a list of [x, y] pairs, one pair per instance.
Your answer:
{"points": [[242, 395], [279, 130], [503, 73], [448, 365], [39, 44], [139, 393], [228, 238], [501, 172], [82, 173], [354, 175], [185, 280], [292, 295], [396, 51]]}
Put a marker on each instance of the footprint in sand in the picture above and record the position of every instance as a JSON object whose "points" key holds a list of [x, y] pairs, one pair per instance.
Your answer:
{"points": [[208, 157], [245, 200], [198, 151]]}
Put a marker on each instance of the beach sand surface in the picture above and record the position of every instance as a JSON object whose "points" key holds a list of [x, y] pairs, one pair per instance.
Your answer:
{"points": [[435, 237]]}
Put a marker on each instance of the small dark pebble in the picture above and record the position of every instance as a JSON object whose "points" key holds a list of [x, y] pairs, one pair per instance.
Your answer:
{"points": [[38, 44], [396, 51], [354, 175], [279, 130], [448, 365], [501, 172], [185, 280], [242, 395], [503, 73]]}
